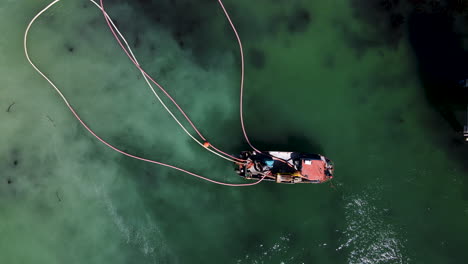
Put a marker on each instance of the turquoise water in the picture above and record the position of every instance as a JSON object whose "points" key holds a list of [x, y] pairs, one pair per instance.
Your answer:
{"points": [[320, 77]]}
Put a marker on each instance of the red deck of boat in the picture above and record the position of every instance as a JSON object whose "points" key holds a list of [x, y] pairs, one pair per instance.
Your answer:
{"points": [[313, 170]]}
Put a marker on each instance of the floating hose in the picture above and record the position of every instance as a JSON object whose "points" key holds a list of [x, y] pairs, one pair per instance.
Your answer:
{"points": [[131, 56], [25, 46]]}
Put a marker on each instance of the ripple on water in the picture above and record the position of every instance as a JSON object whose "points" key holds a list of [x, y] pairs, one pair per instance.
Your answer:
{"points": [[369, 238], [279, 249]]}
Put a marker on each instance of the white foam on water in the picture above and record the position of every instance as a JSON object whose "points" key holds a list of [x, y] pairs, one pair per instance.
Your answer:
{"points": [[369, 238]]}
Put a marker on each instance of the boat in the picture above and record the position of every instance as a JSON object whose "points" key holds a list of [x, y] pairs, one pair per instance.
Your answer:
{"points": [[285, 167]]}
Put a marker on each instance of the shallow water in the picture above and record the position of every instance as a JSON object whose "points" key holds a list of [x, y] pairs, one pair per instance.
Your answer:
{"points": [[320, 77]]}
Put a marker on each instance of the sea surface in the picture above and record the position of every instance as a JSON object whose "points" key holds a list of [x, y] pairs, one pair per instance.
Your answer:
{"points": [[340, 78]]}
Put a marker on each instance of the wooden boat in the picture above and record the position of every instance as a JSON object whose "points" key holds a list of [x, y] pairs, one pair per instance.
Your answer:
{"points": [[285, 167]]}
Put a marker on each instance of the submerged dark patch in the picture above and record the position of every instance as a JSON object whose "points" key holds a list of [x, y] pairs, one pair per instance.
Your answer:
{"points": [[10, 106], [329, 61], [190, 24], [136, 41], [396, 20], [201, 26], [360, 44], [387, 17], [58, 196], [442, 62], [181, 43], [388, 4], [299, 21], [14, 159], [257, 58]]}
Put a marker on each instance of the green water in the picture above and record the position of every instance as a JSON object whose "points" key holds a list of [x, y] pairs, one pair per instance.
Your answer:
{"points": [[332, 85]]}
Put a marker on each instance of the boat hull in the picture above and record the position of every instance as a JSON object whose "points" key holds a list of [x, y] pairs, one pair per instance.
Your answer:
{"points": [[285, 167]]}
